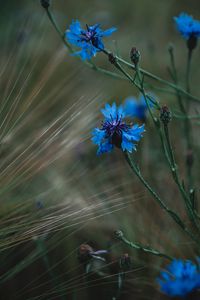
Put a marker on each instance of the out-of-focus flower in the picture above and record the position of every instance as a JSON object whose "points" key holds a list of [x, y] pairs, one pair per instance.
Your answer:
{"points": [[189, 29], [89, 39], [115, 132], [86, 252], [187, 26], [136, 108], [180, 278]]}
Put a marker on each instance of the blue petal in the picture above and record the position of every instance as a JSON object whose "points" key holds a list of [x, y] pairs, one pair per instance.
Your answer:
{"points": [[98, 136], [127, 145], [105, 147], [187, 26], [109, 31]]}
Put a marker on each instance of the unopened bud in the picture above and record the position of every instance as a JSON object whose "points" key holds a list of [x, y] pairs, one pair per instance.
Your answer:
{"points": [[119, 234], [165, 115], [45, 3], [125, 262], [135, 56]]}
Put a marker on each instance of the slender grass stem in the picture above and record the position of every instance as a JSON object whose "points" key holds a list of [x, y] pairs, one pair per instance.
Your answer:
{"points": [[142, 248]]}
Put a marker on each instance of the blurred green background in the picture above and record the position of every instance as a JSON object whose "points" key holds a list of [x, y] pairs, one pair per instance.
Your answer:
{"points": [[55, 192]]}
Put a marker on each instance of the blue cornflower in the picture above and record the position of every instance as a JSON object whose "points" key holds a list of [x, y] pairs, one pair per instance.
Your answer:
{"points": [[136, 108], [189, 29], [89, 39], [180, 278], [115, 132]]}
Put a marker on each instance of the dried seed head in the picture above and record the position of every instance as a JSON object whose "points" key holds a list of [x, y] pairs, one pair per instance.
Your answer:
{"points": [[165, 115], [135, 56]]}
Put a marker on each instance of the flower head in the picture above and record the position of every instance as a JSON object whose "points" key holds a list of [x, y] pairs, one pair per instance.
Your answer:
{"points": [[180, 278], [136, 108], [89, 39], [115, 132], [187, 26]]}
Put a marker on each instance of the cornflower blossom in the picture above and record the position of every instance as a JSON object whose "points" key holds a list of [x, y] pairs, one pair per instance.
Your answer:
{"points": [[136, 108], [180, 278], [115, 131], [189, 29], [89, 39]]}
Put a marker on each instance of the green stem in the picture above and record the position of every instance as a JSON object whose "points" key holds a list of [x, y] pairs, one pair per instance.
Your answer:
{"points": [[175, 175], [187, 129], [157, 78], [41, 247], [137, 246], [172, 214], [188, 70], [58, 30]]}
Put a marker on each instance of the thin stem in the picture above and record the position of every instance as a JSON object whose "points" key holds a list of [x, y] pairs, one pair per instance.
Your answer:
{"points": [[41, 246], [187, 128], [137, 246], [157, 78], [175, 175], [58, 30], [188, 70], [172, 214]]}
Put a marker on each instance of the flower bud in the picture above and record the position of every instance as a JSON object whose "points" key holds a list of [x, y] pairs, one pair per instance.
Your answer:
{"points": [[135, 56], [125, 262], [119, 234], [165, 115]]}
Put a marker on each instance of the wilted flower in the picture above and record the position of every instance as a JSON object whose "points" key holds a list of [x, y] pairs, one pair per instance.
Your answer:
{"points": [[89, 39], [189, 29], [115, 132], [86, 252], [180, 278], [136, 107]]}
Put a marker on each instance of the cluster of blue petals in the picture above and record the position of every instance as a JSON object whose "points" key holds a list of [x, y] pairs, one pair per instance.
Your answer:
{"points": [[136, 108], [115, 132], [180, 278], [187, 26], [89, 39]]}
